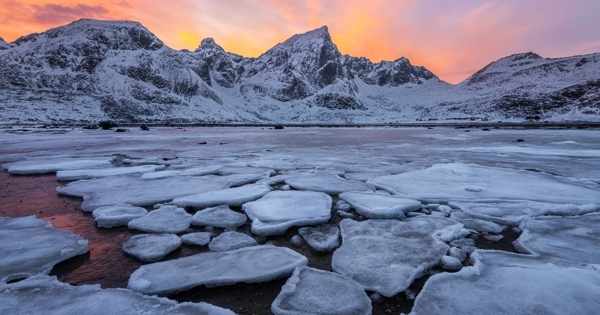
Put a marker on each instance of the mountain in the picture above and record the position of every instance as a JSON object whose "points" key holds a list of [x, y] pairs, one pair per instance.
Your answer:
{"points": [[93, 70]]}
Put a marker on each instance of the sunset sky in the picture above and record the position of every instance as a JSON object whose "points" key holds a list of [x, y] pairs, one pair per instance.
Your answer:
{"points": [[451, 38]]}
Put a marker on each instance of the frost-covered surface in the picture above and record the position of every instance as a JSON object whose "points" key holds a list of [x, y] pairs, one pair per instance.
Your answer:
{"points": [[313, 291], [277, 211], [385, 256], [232, 196], [166, 219], [231, 240], [571, 238], [322, 238], [197, 238], [375, 206], [151, 247], [45, 166], [46, 295], [329, 184], [115, 171], [506, 283], [30, 246], [117, 215], [248, 264], [221, 216]]}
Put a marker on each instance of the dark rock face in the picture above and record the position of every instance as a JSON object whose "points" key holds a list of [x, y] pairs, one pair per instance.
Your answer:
{"points": [[387, 73], [211, 62]]}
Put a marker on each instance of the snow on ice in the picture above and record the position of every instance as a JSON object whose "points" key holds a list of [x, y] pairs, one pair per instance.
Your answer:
{"points": [[151, 247], [375, 206], [277, 211]]}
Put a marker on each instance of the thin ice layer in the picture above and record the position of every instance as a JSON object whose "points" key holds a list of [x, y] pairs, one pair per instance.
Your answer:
{"points": [[221, 217], [29, 246], [248, 264], [469, 182], [571, 238], [231, 240], [117, 215], [44, 166], [231, 196], [507, 283], [376, 206], [46, 295], [279, 210], [105, 172], [329, 184], [151, 247], [312, 291], [166, 219], [385, 256], [322, 238]]}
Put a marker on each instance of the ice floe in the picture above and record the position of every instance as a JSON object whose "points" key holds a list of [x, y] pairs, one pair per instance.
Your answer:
{"points": [[277, 211], [46, 166], [46, 295], [231, 240], [313, 291], [30, 245], [105, 172], [385, 256], [481, 226], [117, 215], [375, 206], [197, 238], [151, 247], [166, 219], [322, 238], [507, 283], [231, 196], [329, 184], [470, 182], [249, 264], [160, 174], [221, 217]]}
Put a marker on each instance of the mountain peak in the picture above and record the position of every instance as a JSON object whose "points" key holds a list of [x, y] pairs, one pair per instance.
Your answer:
{"points": [[3, 44], [210, 44]]}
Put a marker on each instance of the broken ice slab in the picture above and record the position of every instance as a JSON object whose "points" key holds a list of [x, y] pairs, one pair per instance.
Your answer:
{"points": [[249, 264], [508, 283], [231, 240], [329, 184], [29, 245], [470, 182], [313, 291], [221, 217], [46, 295], [151, 247], [385, 256], [231, 196], [106, 172], [279, 210], [117, 215], [197, 238], [322, 238], [37, 166], [376, 206], [166, 219]]}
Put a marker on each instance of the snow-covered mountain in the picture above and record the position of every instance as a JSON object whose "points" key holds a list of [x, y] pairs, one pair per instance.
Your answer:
{"points": [[94, 70]]}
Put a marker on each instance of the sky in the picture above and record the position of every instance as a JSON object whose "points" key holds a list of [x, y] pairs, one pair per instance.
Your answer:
{"points": [[453, 39]]}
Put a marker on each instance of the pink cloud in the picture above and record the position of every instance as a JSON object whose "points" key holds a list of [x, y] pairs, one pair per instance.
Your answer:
{"points": [[55, 13]]}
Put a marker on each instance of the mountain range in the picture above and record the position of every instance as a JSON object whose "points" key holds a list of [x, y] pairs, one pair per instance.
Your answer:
{"points": [[92, 70]]}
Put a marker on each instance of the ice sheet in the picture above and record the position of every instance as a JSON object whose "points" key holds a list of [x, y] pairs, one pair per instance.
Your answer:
{"points": [[376, 206], [151, 247], [166, 219], [117, 215], [232, 196], [279, 210], [29, 246], [105, 172], [329, 184], [313, 291], [249, 264], [231, 240], [44, 166], [221, 216]]}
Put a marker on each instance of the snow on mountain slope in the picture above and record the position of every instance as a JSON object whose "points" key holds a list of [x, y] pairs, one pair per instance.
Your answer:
{"points": [[93, 70]]}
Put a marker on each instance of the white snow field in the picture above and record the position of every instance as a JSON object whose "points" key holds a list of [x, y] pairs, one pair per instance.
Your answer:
{"points": [[322, 238], [117, 215], [329, 184], [105, 172], [248, 264], [44, 166], [45, 295], [151, 247], [231, 240], [221, 216], [376, 206], [29, 246], [385, 256], [312, 291], [507, 283], [277, 211], [231, 196], [166, 219]]}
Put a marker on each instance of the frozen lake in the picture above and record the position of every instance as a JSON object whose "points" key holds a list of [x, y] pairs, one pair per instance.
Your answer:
{"points": [[399, 214]]}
